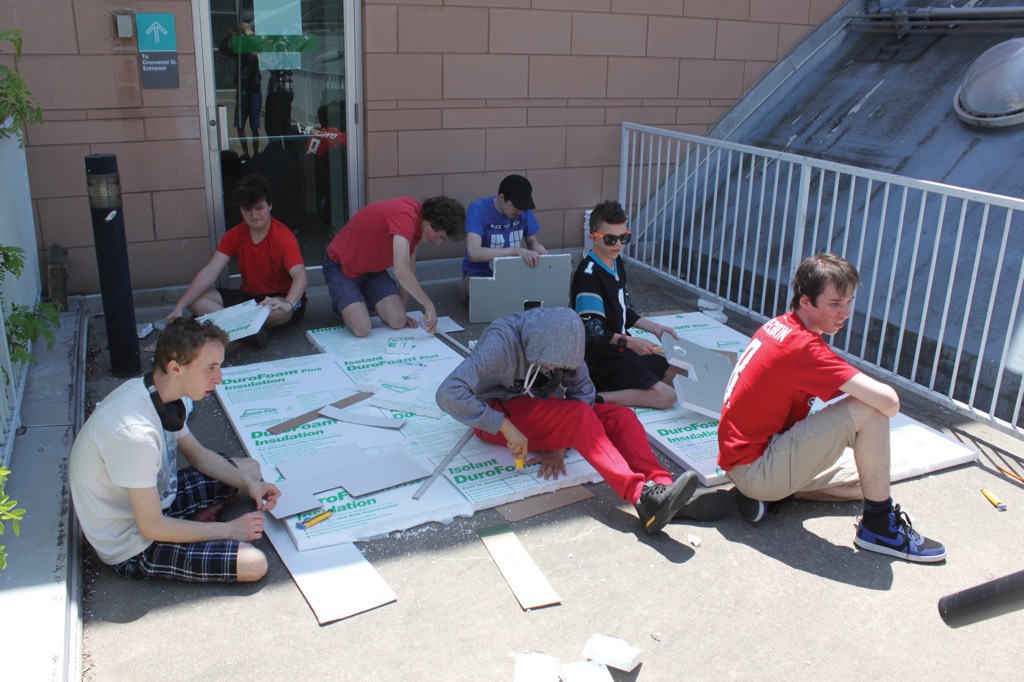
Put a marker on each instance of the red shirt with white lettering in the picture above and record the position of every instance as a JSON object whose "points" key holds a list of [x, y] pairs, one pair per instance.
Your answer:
{"points": [[323, 140], [773, 385]]}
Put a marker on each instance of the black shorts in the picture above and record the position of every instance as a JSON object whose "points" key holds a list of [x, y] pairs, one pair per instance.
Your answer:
{"points": [[232, 297], [611, 370]]}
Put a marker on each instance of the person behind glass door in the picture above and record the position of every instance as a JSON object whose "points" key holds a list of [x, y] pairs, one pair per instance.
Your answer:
{"points": [[248, 95]]}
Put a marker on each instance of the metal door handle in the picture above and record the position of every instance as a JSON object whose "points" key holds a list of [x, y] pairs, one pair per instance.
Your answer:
{"points": [[217, 118]]}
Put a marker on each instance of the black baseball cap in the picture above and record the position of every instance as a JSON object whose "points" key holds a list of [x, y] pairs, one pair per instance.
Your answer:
{"points": [[519, 191]]}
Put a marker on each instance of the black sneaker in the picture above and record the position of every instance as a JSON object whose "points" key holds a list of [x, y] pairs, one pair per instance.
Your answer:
{"points": [[659, 503], [752, 511], [707, 504], [900, 540], [756, 511]]}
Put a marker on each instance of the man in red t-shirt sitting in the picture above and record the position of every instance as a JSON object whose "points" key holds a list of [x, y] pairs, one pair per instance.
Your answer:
{"points": [[380, 236], [269, 260], [772, 447]]}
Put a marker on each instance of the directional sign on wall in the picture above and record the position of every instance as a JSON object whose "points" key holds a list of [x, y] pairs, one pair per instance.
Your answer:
{"points": [[158, 50]]}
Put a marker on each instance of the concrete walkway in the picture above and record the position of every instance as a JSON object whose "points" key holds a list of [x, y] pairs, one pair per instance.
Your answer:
{"points": [[39, 591], [791, 598]]}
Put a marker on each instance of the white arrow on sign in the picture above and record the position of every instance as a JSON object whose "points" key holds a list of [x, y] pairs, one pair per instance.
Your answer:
{"points": [[156, 29]]}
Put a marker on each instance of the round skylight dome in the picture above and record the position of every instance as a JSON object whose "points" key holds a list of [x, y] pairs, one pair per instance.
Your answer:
{"points": [[992, 93]]}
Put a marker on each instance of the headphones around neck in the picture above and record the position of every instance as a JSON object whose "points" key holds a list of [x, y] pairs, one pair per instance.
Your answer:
{"points": [[172, 415]]}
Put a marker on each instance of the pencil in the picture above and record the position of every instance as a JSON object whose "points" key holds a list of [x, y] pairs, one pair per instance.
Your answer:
{"points": [[313, 520], [1010, 474], [996, 502]]}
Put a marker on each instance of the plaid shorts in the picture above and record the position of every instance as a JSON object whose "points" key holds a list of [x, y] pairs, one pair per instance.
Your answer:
{"points": [[215, 561]]}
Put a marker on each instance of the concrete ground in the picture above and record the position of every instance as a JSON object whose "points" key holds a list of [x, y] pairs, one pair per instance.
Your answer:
{"points": [[791, 598]]}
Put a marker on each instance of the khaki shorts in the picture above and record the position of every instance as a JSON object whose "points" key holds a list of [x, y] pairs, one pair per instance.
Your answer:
{"points": [[812, 455]]}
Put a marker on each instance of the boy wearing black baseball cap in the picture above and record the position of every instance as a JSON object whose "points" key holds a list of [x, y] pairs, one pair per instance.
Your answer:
{"points": [[501, 225]]}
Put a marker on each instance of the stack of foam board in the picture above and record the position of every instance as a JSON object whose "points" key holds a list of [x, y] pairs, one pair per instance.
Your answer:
{"points": [[256, 397]]}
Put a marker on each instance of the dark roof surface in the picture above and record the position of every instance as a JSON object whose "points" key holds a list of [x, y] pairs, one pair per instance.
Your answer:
{"points": [[885, 103]]}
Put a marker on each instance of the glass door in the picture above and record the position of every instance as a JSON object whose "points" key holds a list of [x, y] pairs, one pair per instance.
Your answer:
{"points": [[278, 103]]}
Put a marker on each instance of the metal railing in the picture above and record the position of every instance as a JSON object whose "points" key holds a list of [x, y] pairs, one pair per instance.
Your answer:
{"points": [[938, 309], [17, 228]]}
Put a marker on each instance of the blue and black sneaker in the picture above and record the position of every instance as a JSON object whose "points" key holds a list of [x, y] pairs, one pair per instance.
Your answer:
{"points": [[899, 540]]}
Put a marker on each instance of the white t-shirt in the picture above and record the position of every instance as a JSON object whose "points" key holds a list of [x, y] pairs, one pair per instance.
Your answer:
{"points": [[122, 445]]}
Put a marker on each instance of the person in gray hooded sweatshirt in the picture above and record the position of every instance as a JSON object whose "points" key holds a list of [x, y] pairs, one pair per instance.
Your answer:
{"points": [[504, 389]]}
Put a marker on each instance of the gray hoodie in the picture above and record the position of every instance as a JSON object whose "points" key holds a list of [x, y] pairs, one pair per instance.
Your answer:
{"points": [[507, 359]]}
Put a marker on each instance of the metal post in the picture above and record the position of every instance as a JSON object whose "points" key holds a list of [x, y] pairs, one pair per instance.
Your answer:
{"points": [[104, 185]]}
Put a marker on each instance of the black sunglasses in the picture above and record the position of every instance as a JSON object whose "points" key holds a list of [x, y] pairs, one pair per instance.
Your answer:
{"points": [[613, 239]]}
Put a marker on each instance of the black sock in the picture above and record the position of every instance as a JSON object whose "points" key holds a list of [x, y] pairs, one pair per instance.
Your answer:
{"points": [[876, 514]]}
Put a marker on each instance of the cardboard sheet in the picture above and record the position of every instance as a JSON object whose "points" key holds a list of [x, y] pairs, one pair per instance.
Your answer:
{"points": [[364, 357], [613, 652], [338, 405], [536, 667], [261, 395], [380, 513], [540, 504], [240, 321], [522, 574], [707, 376], [514, 282], [486, 475], [360, 470], [444, 323], [297, 495], [357, 417], [337, 582], [585, 671]]}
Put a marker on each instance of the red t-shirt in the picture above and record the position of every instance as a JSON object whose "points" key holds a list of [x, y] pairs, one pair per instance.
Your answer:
{"points": [[323, 140], [366, 243], [264, 267], [773, 385]]}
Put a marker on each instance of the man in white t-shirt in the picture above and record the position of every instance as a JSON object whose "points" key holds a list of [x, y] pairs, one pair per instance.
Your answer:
{"points": [[143, 516]]}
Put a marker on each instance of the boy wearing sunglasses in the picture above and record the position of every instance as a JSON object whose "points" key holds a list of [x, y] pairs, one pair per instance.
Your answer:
{"points": [[627, 370]]}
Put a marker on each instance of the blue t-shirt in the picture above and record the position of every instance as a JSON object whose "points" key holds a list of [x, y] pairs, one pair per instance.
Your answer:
{"points": [[497, 231]]}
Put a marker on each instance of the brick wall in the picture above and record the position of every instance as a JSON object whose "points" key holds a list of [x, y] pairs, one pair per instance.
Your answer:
{"points": [[459, 93], [88, 84]]}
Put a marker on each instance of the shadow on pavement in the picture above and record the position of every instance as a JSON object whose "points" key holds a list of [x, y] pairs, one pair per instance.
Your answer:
{"points": [[784, 537]]}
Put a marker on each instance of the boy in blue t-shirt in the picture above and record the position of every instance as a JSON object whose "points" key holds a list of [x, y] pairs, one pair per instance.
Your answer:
{"points": [[502, 225]]}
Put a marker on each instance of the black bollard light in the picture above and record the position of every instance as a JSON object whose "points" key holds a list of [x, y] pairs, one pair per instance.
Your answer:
{"points": [[104, 185]]}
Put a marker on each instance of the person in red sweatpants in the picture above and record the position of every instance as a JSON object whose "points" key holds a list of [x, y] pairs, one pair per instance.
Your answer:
{"points": [[505, 390]]}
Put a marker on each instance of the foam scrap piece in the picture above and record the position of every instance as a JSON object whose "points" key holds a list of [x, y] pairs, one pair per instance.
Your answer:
{"points": [[716, 315], [536, 667], [585, 671], [612, 651]]}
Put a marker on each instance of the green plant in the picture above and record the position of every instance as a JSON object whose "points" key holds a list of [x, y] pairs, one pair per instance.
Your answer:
{"points": [[8, 512], [25, 323], [16, 101]]}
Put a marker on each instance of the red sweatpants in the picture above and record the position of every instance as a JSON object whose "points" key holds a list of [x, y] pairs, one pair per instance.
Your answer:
{"points": [[610, 437]]}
